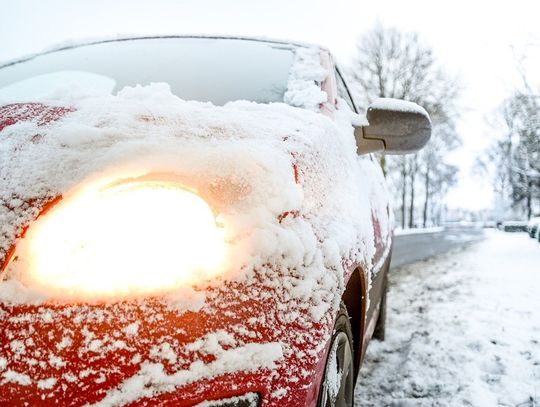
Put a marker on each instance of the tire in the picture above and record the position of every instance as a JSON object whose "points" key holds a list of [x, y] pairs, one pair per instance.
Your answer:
{"points": [[337, 386]]}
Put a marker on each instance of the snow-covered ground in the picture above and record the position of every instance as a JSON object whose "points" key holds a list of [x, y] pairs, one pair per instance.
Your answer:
{"points": [[435, 229], [463, 329]]}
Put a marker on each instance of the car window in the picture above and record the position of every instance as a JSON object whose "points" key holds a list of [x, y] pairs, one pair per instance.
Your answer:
{"points": [[343, 91], [216, 70]]}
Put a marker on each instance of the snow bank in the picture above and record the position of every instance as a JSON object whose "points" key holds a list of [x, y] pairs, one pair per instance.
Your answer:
{"points": [[418, 231], [463, 329]]}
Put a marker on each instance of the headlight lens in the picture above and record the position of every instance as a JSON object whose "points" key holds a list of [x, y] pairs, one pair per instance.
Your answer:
{"points": [[137, 237]]}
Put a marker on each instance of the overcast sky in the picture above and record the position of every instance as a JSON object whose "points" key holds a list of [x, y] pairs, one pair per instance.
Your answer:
{"points": [[477, 40]]}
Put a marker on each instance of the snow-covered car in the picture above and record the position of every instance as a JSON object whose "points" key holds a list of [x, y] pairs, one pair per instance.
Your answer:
{"points": [[191, 220], [514, 226], [533, 227]]}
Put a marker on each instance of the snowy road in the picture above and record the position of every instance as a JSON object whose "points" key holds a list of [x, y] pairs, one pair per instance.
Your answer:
{"points": [[463, 329], [409, 248]]}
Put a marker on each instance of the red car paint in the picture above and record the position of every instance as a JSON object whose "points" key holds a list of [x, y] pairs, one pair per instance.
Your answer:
{"points": [[36, 112]]}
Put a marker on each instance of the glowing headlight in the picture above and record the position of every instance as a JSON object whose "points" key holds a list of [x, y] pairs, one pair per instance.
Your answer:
{"points": [[138, 237]]}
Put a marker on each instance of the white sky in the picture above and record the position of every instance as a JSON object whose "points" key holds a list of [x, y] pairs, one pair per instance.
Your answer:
{"points": [[477, 40]]}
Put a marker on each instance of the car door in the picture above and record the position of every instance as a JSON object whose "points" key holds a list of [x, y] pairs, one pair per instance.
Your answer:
{"points": [[381, 219]]}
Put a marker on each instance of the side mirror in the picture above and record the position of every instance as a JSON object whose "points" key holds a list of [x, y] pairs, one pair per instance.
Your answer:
{"points": [[395, 127]]}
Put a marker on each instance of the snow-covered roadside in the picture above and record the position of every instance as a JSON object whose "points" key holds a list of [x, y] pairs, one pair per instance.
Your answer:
{"points": [[435, 229], [463, 329]]}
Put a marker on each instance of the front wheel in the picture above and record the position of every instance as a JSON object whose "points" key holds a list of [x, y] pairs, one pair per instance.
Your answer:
{"points": [[380, 327], [337, 387]]}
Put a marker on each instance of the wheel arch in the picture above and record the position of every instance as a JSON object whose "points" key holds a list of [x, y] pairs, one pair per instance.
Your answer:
{"points": [[354, 299]]}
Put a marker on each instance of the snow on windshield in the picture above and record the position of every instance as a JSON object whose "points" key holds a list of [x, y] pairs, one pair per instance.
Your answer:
{"points": [[58, 85], [217, 70]]}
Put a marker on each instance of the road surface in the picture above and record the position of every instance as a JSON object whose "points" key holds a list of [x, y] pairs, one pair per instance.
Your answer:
{"points": [[409, 248]]}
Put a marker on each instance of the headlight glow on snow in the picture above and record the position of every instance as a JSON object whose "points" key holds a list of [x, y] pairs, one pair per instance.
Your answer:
{"points": [[139, 237]]}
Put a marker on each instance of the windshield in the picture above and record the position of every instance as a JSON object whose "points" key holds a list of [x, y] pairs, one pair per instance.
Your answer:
{"points": [[203, 69]]}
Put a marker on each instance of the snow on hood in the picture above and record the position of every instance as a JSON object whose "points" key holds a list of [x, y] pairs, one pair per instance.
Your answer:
{"points": [[291, 176]]}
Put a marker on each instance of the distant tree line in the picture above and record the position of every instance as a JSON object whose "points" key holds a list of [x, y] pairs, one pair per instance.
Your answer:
{"points": [[394, 64]]}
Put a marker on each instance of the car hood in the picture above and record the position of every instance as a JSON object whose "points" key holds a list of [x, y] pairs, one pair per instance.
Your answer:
{"points": [[283, 182]]}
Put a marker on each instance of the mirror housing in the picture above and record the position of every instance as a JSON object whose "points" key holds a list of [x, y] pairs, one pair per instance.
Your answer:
{"points": [[395, 127]]}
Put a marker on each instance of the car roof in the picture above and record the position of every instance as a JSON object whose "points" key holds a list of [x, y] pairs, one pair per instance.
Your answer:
{"points": [[69, 45]]}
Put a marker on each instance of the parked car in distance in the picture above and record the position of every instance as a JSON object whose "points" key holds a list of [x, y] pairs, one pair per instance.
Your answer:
{"points": [[533, 227], [191, 220], [514, 226]]}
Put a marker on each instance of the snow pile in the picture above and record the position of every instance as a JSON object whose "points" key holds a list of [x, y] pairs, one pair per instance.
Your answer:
{"points": [[463, 329]]}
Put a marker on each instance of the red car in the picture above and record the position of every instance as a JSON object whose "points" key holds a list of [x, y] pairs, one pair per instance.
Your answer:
{"points": [[191, 221]]}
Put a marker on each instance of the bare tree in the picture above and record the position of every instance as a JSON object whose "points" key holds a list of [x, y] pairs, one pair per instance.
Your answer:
{"points": [[390, 63], [522, 115], [513, 160], [437, 174], [402, 164]]}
